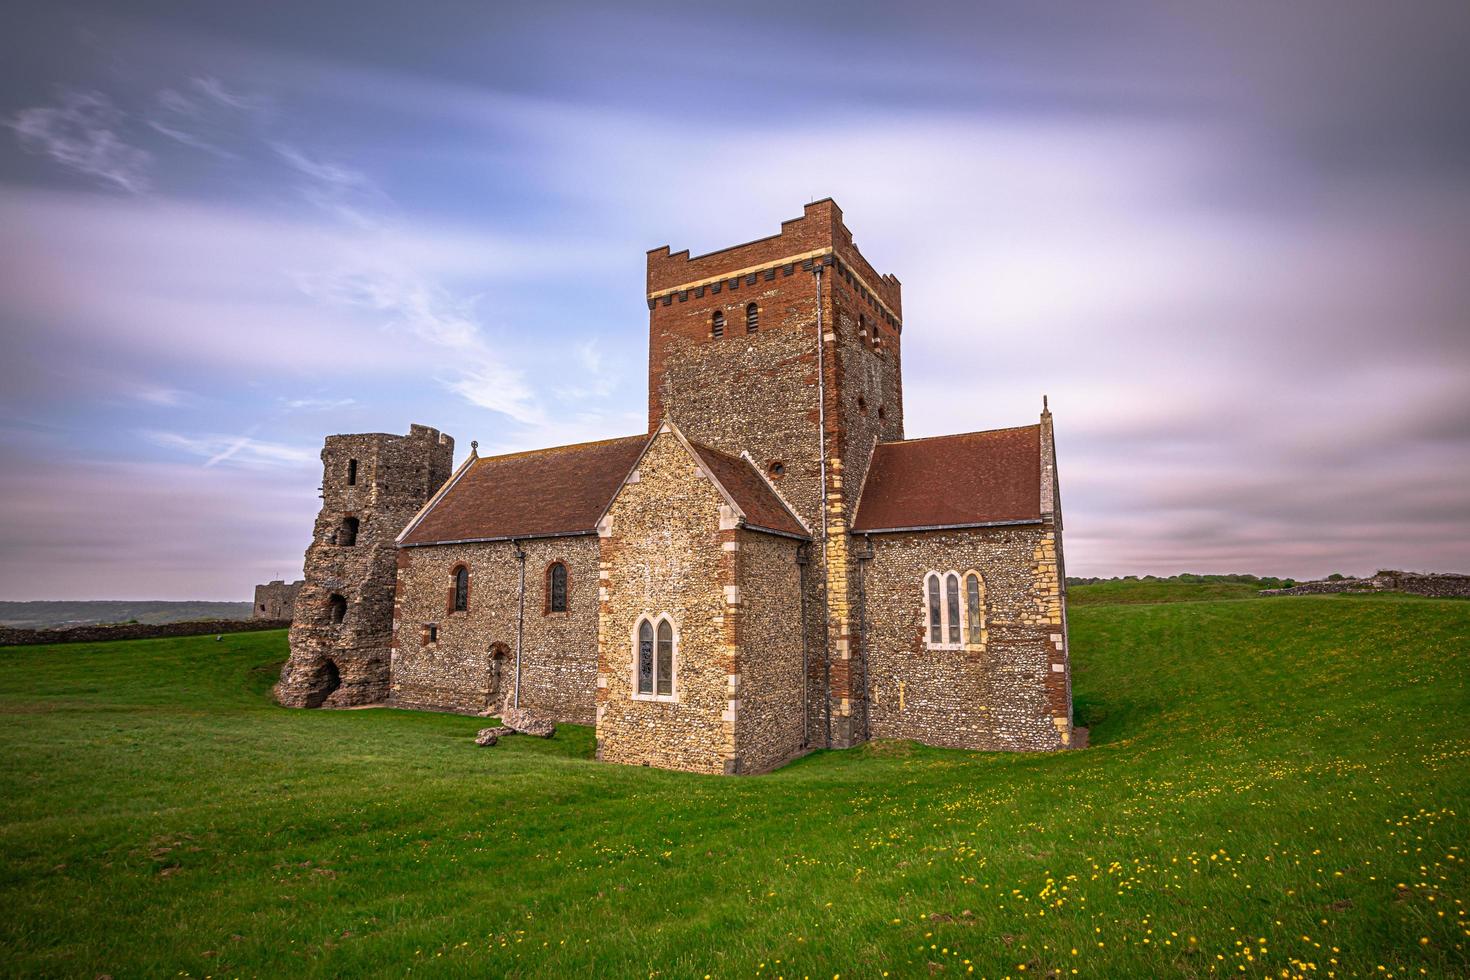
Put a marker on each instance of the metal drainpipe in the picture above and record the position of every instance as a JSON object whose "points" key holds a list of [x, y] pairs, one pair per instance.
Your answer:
{"points": [[803, 557], [520, 619], [863, 557], [822, 503]]}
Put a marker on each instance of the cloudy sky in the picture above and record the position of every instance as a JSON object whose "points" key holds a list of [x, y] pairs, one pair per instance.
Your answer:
{"points": [[1231, 242]]}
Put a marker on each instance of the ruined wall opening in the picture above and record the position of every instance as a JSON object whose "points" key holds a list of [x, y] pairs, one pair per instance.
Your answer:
{"points": [[336, 609], [324, 681], [498, 681], [347, 535]]}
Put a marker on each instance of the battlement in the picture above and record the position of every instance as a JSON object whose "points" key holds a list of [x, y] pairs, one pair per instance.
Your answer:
{"points": [[817, 237]]}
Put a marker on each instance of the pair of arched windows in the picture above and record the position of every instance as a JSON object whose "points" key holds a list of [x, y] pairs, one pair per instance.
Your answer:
{"points": [[955, 608], [752, 320], [653, 659]]}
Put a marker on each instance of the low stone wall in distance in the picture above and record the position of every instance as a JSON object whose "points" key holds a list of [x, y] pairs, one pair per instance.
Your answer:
{"points": [[1436, 585], [137, 631]]}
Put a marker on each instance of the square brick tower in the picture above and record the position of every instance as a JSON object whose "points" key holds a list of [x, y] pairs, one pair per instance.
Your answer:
{"points": [[789, 348]]}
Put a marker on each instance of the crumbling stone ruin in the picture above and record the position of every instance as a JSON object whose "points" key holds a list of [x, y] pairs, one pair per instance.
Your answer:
{"points": [[275, 600], [1435, 585], [342, 634], [771, 567]]}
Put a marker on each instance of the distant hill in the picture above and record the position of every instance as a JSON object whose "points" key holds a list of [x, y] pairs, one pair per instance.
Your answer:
{"points": [[47, 615]]}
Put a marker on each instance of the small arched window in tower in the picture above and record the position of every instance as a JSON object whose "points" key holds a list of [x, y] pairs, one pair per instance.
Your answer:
{"points": [[862, 325], [877, 336], [556, 588], [862, 405], [461, 589], [752, 318], [336, 609], [777, 468], [347, 535], [717, 324], [352, 472], [880, 413]]}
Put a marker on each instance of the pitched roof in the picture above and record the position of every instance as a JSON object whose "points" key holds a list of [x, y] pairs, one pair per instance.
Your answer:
{"points": [[974, 478], [539, 493], [763, 509]]}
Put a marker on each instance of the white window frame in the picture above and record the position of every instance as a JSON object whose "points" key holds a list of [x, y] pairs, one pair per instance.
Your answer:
{"points": [[967, 641], [653, 622]]}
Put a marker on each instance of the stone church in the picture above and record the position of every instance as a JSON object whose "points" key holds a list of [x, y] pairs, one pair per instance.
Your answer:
{"points": [[770, 568]]}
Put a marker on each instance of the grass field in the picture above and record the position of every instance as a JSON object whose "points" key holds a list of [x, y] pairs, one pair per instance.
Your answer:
{"points": [[1276, 787]]}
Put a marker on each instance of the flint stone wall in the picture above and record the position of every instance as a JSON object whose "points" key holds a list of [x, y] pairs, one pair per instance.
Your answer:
{"points": [[136, 631], [662, 554], [1005, 693], [1438, 585], [461, 672], [770, 725]]}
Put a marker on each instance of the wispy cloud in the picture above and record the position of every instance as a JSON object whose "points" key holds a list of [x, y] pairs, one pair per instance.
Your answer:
{"points": [[317, 404], [81, 132], [239, 450]]}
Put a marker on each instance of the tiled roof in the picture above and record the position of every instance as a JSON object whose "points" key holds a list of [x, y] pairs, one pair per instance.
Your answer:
{"points": [[752, 494], [543, 492], [972, 478]]}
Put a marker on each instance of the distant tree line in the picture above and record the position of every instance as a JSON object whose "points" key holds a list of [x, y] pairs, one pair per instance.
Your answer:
{"points": [[1190, 578]]}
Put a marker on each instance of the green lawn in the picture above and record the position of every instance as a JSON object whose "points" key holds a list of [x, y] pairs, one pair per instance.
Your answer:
{"points": [[1115, 592], [1276, 787]]}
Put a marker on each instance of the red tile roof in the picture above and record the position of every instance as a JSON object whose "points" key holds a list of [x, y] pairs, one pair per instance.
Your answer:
{"points": [[753, 495], [972, 478], [543, 492]]}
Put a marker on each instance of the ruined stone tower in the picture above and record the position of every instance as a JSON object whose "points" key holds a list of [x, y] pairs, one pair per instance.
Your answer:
{"points": [[372, 486]]}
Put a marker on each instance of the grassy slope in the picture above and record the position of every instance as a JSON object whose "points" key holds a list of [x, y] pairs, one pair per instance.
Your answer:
{"points": [[1287, 777]]}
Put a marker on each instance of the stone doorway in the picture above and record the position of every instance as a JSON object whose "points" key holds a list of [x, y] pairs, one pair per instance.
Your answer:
{"points": [[497, 679]]}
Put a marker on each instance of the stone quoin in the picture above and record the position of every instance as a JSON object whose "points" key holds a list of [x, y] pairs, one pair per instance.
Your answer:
{"points": [[771, 568]]}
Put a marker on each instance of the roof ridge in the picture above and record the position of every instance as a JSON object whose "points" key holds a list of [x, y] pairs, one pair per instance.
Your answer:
{"points": [[552, 449], [956, 435]]}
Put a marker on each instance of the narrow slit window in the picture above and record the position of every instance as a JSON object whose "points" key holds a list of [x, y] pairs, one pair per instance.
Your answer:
{"points": [[645, 658], [952, 604], [347, 535], [935, 633], [337, 609], [974, 606], [717, 324], [461, 589], [352, 472], [752, 318], [665, 658], [557, 588]]}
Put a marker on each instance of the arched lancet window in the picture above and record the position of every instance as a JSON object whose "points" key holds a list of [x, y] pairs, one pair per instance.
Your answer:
{"points": [[347, 535], [936, 632], [645, 658], [665, 670], [877, 335], [952, 605], [717, 324], [556, 587], [336, 608], [752, 318], [461, 589], [862, 325], [974, 606], [654, 659]]}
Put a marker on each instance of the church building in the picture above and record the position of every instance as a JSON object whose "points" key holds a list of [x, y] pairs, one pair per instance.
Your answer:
{"points": [[770, 568]]}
